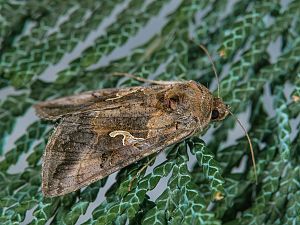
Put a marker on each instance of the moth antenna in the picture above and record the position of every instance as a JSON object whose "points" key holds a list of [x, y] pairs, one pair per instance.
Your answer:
{"points": [[213, 66], [250, 144], [159, 82]]}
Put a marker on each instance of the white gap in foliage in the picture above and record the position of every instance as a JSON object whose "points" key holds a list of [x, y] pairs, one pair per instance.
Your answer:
{"points": [[50, 73], [153, 26]]}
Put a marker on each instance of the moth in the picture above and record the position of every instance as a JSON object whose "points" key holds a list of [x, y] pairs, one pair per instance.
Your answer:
{"points": [[100, 132]]}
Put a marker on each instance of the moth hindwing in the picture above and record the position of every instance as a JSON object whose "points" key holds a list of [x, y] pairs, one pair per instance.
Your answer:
{"points": [[103, 131]]}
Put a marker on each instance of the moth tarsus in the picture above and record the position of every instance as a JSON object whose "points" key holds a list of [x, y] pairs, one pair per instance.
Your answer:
{"points": [[139, 172]]}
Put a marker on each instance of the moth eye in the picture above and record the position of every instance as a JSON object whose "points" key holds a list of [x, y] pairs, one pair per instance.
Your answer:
{"points": [[214, 114]]}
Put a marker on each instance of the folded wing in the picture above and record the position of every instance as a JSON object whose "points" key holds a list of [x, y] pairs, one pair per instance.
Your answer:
{"points": [[102, 132]]}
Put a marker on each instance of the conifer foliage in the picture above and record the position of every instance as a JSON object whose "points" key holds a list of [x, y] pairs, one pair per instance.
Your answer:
{"points": [[50, 49]]}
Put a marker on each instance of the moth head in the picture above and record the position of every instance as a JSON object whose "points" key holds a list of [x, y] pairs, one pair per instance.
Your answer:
{"points": [[220, 110]]}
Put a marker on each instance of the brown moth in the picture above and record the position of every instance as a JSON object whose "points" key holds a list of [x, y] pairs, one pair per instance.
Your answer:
{"points": [[100, 132]]}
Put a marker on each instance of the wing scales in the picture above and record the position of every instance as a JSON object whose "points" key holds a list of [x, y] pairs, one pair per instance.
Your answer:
{"points": [[70, 164], [101, 132]]}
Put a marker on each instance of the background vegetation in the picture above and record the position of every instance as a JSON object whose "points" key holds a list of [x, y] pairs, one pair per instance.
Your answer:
{"points": [[44, 54]]}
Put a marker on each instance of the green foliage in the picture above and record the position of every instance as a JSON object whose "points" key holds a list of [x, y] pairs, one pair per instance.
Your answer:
{"points": [[37, 35]]}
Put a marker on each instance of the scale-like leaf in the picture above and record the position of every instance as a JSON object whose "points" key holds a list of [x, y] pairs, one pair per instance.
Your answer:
{"points": [[51, 49]]}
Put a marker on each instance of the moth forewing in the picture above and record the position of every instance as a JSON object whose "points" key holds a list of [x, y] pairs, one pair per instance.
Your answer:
{"points": [[103, 131], [86, 101]]}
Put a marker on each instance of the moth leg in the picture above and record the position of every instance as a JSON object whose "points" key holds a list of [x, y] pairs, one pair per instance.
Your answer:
{"points": [[139, 172], [159, 82]]}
